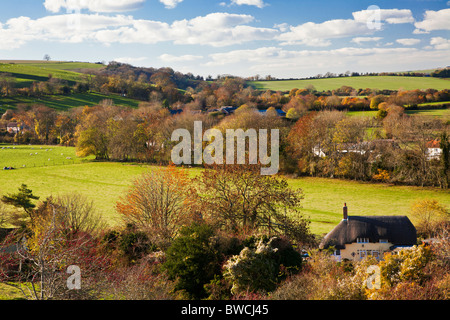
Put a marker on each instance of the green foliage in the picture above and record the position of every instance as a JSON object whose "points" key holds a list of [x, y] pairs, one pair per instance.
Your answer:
{"points": [[192, 260], [293, 114], [129, 243], [22, 199], [135, 244], [260, 266], [406, 265]]}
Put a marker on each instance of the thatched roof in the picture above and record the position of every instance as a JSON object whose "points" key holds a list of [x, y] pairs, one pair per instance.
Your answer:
{"points": [[398, 230]]}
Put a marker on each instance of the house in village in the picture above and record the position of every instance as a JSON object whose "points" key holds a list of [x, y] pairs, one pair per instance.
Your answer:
{"points": [[434, 150], [13, 127], [362, 148], [357, 237]]}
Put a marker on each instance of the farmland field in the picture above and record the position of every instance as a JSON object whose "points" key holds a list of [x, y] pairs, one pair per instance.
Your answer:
{"points": [[104, 183], [60, 102], [361, 82], [27, 73], [439, 113]]}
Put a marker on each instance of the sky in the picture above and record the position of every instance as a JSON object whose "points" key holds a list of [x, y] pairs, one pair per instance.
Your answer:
{"points": [[281, 38]]}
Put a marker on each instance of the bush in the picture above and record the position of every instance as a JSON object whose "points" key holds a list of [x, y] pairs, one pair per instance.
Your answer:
{"points": [[192, 260], [260, 267], [129, 245]]}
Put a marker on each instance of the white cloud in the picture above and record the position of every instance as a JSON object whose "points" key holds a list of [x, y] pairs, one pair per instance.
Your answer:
{"points": [[433, 20], [408, 41], [364, 22], [391, 16], [280, 62], [215, 29], [440, 43], [318, 34], [130, 60], [170, 4], [171, 58], [360, 40], [257, 3], [93, 5]]}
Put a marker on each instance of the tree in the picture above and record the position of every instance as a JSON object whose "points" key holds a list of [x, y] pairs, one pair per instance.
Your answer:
{"points": [[375, 101], [301, 144], [44, 256], [159, 203], [406, 265], [192, 261], [293, 114], [258, 266], [430, 215], [22, 199], [238, 197], [78, 214], [445, 160], [47, 57]]}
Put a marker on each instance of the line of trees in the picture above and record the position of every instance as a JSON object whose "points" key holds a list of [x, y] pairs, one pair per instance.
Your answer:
{"points": [[393, 147]]}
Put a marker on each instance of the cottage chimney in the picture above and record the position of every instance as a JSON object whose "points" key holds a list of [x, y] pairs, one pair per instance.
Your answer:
{"points": [[345, 211]]}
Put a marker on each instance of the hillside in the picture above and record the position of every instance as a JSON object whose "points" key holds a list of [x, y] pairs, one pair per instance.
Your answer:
{"points": [[360, 82], [26, 72]]}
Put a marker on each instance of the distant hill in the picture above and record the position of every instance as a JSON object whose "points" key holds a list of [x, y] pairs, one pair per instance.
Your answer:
{"points": [[358, 82]]}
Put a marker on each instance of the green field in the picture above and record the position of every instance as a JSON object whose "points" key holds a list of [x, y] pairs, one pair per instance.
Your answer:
{"points": [[37, 156], [104, 183], [361, 82], [27, 73], [439, 113], [61, 102]]}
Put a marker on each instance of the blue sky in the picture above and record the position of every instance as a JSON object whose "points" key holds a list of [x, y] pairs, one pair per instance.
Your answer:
{"points": [[282, 38]]}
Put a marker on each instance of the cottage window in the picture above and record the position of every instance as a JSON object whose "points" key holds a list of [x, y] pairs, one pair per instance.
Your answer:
{"points": [[362, 240], [362, 253]]}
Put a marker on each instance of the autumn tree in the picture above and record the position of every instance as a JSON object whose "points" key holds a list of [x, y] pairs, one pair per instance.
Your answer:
{"points": [[159, 203], [238, 197], [49, 248], [431, 217], [92, 131], [301, 146], [445, 160]]}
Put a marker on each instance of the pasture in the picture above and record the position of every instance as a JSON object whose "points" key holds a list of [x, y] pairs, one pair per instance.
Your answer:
{"points": [[26, 74], [360, 82], [62, 102], [105, 182], [443, 114]]}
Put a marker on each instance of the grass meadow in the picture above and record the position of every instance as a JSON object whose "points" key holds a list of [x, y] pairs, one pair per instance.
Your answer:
{"points": [[28, 72], [62, 103], [438, 113], [361, 82], [105, 182]]}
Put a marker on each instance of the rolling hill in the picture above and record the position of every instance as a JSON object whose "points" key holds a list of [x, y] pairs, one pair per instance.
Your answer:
{"points": [[360, 82], [26, 72]]}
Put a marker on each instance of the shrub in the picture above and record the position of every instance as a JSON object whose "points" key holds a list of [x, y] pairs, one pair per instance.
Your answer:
{"points": [[260, 267], [192, 260]]}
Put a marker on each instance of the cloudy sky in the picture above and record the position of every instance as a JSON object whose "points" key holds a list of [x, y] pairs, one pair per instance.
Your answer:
{"points": [[282, 38]]}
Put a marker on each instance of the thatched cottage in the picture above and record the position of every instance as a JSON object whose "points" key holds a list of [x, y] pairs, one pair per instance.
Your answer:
{"points": [[356, 237]]}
